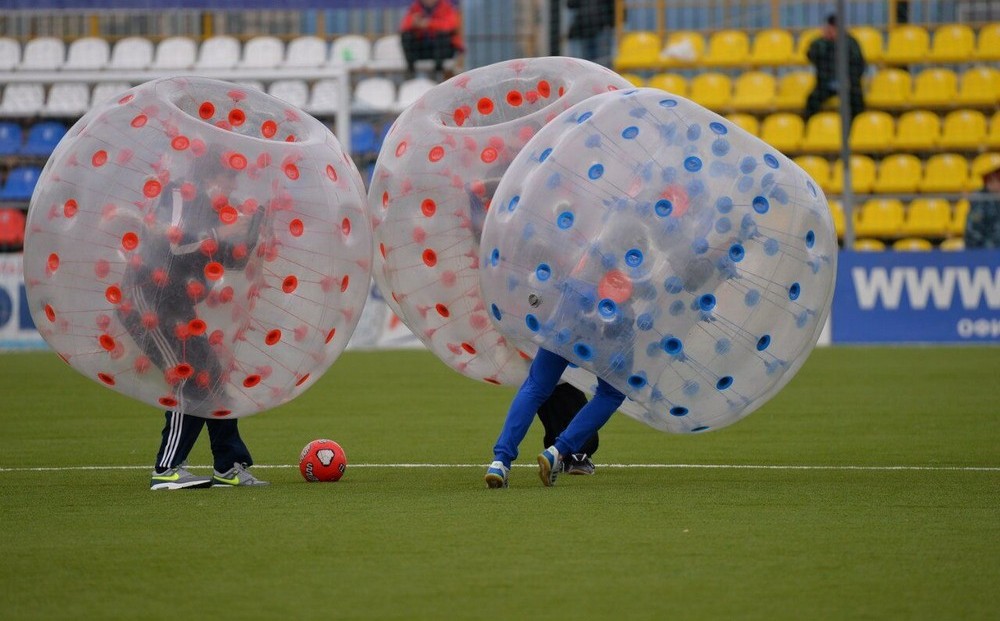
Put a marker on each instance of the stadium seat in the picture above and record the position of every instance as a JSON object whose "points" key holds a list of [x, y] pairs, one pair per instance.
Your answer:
{"points": [[783, 131], [12, 222], [880, 218], [959, 215], [822, 133], [952, 244], [263, 52], [712, 90], [754, 91], [671, 82], [747, 121], [295, 92], [683, 49], [869, 245], [963, 130], [104, 91], [993, 137], [818, 168], [87, 54], [22, 99], [324, 98], [67, 99], [20, 183], [772, 47], [411, 90], [638, 50], [805, 39], [218, 52], [981, 164], [42, 54], [350, 50], [375, 94], [870, 41], [634, 79], [872, 131], [364, 140], [387, 53], [889, 88], [727, 48], [11, 137], [953, 43], [988, 42], [175, 53], [907, 44], [934, 88], [43, 138], [898, 173], [837, 214], [917, 130], [131, 54], [980, 86], [862, 175], [793, 90], [927, 217], [945, 172], [912, 244], [10, 54], [305, 52]]}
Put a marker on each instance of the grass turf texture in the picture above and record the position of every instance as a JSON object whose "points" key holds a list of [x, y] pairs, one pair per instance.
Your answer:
{"points": [[395, 543]]}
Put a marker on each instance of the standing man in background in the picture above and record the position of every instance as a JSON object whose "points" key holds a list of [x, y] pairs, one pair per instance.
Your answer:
{"points": [[592, 29], [822, 55], [430, 31], [982, 226]]}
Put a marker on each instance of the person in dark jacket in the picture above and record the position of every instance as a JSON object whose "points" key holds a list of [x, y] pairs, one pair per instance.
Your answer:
{"points": [[591, 31], [822, 55], [982, 226]]}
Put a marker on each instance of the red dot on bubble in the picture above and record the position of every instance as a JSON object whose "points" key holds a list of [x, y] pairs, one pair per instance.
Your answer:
{"points": [[562, 91], [469, 348], [436, 153], [273, 337], [179, 143], [344, 283], [459, 116], [489, 155], [113, 294], [237, 161], [251, 381], [237, 117], [289, 284], [401, 149], [168, 402], [442, 310], [126, 98], [102, 268], [214, 270], [228, 214], [100, 158], [330, 335], [152, 188], [292, 171], [302, 380], [485, 105], [430, 258], [295, 227], [107, 379], [290, 138], [515, 98], [428, 207], [221, 413], [197, 327], [139, 120], [183, 370], [216, 337], [381, 249], [130, 240], [206, 110], [50, 313], [345, 226], [531, 96], [543, 88], [107, 342], [209, 247], [268, 128], [385, 200], [53, 262], [141, 364], [331, 172], [70, 208]]}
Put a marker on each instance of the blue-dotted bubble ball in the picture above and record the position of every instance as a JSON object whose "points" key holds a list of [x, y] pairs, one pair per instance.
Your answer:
{"points": [[654, 243]]}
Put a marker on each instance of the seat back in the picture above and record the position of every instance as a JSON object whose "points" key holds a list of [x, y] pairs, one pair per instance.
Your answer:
{"points": [[638, 50], [87, 54], [953, 43], [10, 53], [350, 50], [387, 52], [175, 53], [802, 43], [870, 41], [132, 53], [928, 217], [671, 82], [817, 167], [20, 183], [754, 90], [325, 97], [364, 140], [881, 217], [295, 92], [12, 223], [889, 88], [104, 91], [683, 47], [43, 54], [772, 47], [963, 128], [67, 99], [712, 90], [907, 44], [308, 51], [218, 52], [899, 172], [265, 52], [872, 130], [375, 94], [822, 132], [728, 47], [793, 89], [748, 122], [783, 131], [411, 90], [980, 86], [11, 137], [937, 86], [916, 130], [988, 42], [43, 138], [945, 172], [22, 99]]}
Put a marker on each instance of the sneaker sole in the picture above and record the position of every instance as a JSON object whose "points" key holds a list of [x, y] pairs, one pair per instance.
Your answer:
{"points": [[174, 485], [494, 481], [545, 471], [579, 471]]}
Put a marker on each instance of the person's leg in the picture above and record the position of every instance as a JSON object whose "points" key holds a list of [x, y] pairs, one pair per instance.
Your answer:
{"points": [[558, 410], [590, 419], [544, 374], [441, 49], [179, 435], [410, 42], [815, 100], [857, 101], [228, 447]]}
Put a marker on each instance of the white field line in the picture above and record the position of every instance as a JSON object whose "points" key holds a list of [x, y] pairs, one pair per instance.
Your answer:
{"points": [[628, 466]]}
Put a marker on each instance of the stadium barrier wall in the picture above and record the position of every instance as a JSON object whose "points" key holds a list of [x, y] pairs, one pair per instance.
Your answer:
{"points": [[17, 330]]}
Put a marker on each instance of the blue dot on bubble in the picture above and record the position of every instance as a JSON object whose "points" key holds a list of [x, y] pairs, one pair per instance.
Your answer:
{"points": [[593, 141], [718, 128], [771, 247], [700, 429], [720, 147], [700, 245], [812, 188], [802, 319], [672, 345], [810, 239], [748, 165], [630, 132], [724, 204], [562, 336], [496, 311], [763, 342], [543, 271], [760, 204], [668, 174], [794, 291], [723, 225], [514, 200], [695, 188], [607, 308], [633, 258], [692, 164], [767, 181], [676, 308], [583, 117], [595, 171], [607, 261], [694, 132], [770, 160], [736, 253], [565, 220], [663, 207], [668, 103], [724, 382], [553, 181], [644, 322], [545, 154], [618, 362], [722, 346], [673, 284], [691, 388], [532, 322], [744, 184], [636, 381], [752, 297], [495, 257], [706, 302], [583, 351], [678, 410]]}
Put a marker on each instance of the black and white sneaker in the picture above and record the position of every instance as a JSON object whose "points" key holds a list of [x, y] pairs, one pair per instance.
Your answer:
{"points": [[578, 463]]}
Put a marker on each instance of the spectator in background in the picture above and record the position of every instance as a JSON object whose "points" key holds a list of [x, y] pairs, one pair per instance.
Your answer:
{"points": [[822, 54], [590, 32], [430, 31], [982, 227]]}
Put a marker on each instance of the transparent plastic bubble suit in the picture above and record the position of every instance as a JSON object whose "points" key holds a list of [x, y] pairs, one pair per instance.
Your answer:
{"points": [[200, 246], [432, 185], [656, 244]]}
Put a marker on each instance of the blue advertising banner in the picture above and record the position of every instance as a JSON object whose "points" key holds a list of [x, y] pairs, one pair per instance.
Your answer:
{"points": [[17, 330], [917, 297]]}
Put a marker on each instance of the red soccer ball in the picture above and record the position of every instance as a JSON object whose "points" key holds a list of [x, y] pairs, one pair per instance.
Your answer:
{"points": [[322, 460]]}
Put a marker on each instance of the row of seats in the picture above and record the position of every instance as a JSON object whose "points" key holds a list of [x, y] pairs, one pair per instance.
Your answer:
{"points": [[905, 44], [71, 99], [876, 131], [183, 53], [38, 141], [758, 91], [909, 244], [890, 219], [902, 173]]}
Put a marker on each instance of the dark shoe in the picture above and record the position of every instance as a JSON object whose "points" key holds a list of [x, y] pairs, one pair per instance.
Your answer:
{"points": [[579, 463]]}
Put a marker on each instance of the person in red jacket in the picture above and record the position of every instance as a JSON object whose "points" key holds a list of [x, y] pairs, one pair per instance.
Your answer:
{"points": [[430, 31]]}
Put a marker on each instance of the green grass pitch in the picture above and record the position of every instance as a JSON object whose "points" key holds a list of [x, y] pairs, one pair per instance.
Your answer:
{"points": [[844, 537]]}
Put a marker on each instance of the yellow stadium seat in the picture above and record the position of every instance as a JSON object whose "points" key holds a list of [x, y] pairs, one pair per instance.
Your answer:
{"points": [[712, 90], [988, 42], [927, 217], [684, 48], [982, 164], [958, 217], [783, 131], [772, 48], [898, 173], [889, 88], [670, 82], [907, 44], [917, 130], [963, 130], [747, 121], [870, 41], [862, 175], [993, 137], [727, 48], [872, 131], [634, 78], [952, 244], [945, 172], [868, 245], [837, 213], [980, 86], [953, 43], [806, 37], [912, 244], [822, 133], [880, 217], [793, 89], [935, 87], [754, 91], [818, 168], [638, 50]]}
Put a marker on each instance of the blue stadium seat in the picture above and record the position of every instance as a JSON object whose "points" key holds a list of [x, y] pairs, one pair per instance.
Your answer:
{"points": [[43, 138], [20, 183], [10, 138], [364, 140]]}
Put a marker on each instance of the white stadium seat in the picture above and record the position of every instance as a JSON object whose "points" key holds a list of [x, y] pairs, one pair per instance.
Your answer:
{"points": [[10, 53], [43, 54], [325, 97], [22, 100], [294, 92], [87, 54], [305, 52], [105, 91], [219, 52], [67, 99], [175, 53], [350, 50], [375, 94], [387, 53], [131, 54], [262, 53], [411, 90]]}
